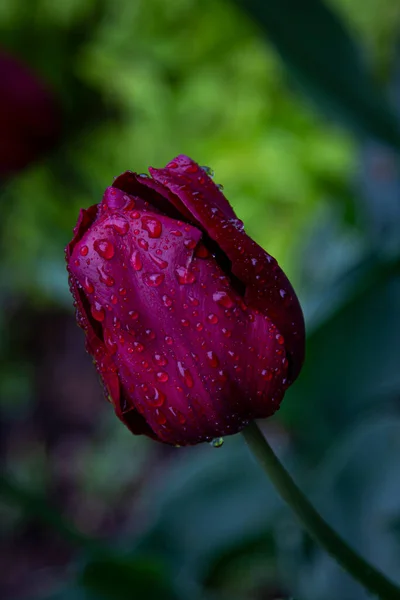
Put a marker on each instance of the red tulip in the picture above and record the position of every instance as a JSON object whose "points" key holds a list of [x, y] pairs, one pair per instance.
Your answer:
{"points": [[29, 119], [194, 328]]}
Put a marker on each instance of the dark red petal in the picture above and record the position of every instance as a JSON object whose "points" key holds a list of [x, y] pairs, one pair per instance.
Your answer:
{"points": [[192, 359], [267, 287]]}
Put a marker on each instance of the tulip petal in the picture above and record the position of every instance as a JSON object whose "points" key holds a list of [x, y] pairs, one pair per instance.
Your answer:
{"points": [[267, 287]]}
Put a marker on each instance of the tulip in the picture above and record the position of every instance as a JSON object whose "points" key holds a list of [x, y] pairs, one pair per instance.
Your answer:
{"points": [[29, 117], [194, 329]]}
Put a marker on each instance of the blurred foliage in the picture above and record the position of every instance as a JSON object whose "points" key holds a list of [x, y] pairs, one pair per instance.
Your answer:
{"points": [[139, 82]]}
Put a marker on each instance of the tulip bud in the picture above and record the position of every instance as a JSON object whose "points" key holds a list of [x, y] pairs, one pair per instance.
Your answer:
{"points": [[194, 329]]}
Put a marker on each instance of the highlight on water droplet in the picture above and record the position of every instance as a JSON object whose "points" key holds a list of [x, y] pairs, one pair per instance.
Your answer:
{"points": [[217, 442]]}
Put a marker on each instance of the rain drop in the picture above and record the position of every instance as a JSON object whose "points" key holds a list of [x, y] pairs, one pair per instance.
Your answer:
{"points": [[186, 375], [104, 248], [185, 276], [154, 279], [136, 261], [152, 226], [97, 311], [217, 442]]}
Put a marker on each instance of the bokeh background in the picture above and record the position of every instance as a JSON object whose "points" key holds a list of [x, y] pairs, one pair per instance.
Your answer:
{"points": [[295, 105]]}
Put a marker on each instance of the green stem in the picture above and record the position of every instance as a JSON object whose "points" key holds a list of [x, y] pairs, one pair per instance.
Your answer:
{"points": [[372, 579]]}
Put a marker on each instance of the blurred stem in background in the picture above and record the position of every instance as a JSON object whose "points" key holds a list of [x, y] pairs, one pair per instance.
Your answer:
{"points": [[374, 581]]}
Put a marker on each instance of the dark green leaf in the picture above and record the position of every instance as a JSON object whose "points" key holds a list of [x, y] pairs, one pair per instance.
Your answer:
{"points": [[326, 61]]}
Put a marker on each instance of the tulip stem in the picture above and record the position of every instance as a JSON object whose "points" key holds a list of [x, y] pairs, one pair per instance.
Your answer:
{"points": [[373, 580]]}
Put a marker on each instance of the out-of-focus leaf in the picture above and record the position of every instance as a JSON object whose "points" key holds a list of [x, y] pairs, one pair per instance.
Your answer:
{"points": [[326, 61], [209, 500], [358, 492], [120, 579]]}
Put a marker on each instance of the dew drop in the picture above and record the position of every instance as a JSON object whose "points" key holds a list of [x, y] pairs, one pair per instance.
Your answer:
{"points": [[120, 225], [105, 277], [133, 314], [152, 226], [160, 418], [88, 286], [160, 360], [208, 170], [280, 339], [169, 340], [223, 299], [212, 318], [153, 395], [154, 279], [143, 243], [185, 322], [136, 261], [162, 376], [217, 442], [83, 250], [190, 244], [266, 375], [162, 264], [110, 343], [176, 233], [199, 326], [97, 311], [114, 299], [181, 417], [227, 333], [212, 359], [150, 334], [184, 276], [192, 168], [167, 301], [201, 251], [138, 346], [186, 375], [104, 248]]}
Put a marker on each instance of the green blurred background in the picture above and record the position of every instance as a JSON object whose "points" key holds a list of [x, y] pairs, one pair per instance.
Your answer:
{"points": [[295, 105]]}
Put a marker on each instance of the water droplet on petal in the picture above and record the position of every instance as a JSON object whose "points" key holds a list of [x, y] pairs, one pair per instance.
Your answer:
{"points": [[104, 248], [282, 293], [114, 299], [212, 359], [120, 225], [162, 264], [88, 285], [136, 261], [185, 276], [110, 343], [167, 301], [105, 277], [169, 340], [152, 226], [143, 243], [201, 252], [153, 279], [208, 170], [192, 168], [266, 374], [212, 318], [217, 442], [97, 311], [138, 346], [223, 299], [133, 314], [186, 375], [162, 376], [199, 326], [280, 339], [185, 322], [160, 360], [176, 233], [83, 250], [153, 395], [190, 244]]}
